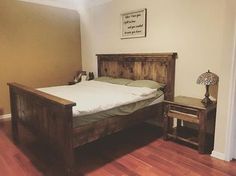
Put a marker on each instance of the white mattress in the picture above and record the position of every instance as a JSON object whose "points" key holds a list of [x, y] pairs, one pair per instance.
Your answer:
{"points": [[95, 96], [157, 100]]}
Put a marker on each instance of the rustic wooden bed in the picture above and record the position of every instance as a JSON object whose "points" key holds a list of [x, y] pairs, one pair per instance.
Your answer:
{"points": [[50, 118]]}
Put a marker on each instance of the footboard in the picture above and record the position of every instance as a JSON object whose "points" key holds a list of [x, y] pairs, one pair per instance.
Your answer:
{"points": [[49, 117]]}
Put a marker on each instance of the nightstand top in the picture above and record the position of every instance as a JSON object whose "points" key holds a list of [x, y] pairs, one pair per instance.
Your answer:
{"points": [[190, 102]]}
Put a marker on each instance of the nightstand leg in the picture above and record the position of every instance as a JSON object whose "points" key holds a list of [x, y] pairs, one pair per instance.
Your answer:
{"points": [[202, 132], [166, 126], [166, 122], [178, 127]]}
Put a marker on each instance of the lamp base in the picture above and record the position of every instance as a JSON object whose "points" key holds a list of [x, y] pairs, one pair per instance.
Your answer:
{"points": [[206, 101]]}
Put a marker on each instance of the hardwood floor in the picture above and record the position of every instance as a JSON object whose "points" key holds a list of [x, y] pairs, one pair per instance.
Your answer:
{"points": [[134, 152], [12, 160]]}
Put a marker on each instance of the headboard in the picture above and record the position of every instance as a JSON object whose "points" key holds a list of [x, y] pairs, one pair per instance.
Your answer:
{"points": [[159, 67]]}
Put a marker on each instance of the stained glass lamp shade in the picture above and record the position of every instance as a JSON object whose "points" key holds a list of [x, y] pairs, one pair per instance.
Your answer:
{"points": [[207, 79]]}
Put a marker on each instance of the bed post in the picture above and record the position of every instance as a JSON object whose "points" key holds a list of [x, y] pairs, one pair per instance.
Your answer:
{"points": [[48, 117], [170, 89], [14, 116], [69, 150]]}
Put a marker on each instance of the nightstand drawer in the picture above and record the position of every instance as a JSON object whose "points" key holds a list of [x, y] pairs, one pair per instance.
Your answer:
{"points": [[184, 109]]}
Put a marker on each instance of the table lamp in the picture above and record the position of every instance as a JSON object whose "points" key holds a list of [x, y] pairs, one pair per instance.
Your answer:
{"points": [[207, 79]]}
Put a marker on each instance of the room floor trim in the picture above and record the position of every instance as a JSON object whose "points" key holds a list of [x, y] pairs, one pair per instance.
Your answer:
{"points": [[5, 117]]}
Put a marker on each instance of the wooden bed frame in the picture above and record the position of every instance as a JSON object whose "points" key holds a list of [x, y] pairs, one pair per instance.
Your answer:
{"points": [[50, 118]]}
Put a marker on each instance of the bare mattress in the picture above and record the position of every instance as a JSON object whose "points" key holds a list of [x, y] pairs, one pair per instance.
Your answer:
{"points": [[96, 100]]}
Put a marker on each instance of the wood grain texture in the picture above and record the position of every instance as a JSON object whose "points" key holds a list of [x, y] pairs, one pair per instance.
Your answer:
{"points": [[50, 117], [13, 161], [106, 126], [159, 67], [121, 154], [188, 109]]}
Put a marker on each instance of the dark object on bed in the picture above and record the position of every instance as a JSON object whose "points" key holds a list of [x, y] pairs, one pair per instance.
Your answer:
{"points": [[51, 119], [91, 76]]}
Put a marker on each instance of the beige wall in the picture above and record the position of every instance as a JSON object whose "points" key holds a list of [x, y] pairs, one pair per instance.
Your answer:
{"points": [[226, 77], [200, 31], [39, 46]]}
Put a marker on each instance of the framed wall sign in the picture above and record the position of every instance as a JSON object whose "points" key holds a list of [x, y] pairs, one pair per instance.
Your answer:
{"points": [[133, 24]]}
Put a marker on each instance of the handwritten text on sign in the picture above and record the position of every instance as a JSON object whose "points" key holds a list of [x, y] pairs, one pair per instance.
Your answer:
{"points": [[133, 24]]}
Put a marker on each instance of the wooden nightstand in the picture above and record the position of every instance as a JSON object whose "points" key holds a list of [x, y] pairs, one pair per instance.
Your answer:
{"points": [[190, 110]]}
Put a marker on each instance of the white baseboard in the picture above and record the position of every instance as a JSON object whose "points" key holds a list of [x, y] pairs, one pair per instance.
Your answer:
{"points": [[218, 155], [5, 117]]}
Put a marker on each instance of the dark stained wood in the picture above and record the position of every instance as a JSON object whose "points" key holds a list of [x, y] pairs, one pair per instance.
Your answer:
{"points": [[15, 133], [124, 153], [50, 117], [186, 101], [191, 110], [159, 67], [108, 126]]}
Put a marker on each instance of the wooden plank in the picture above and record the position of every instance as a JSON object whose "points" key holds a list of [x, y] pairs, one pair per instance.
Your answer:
{"points": [[13, 161], [47, 116], [41, 95], [184, 116], [164, 157], [159, 67], [183, 139]]}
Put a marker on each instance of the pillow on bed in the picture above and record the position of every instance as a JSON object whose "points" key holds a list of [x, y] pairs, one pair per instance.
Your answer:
{"points": [[104, 79], [146, 83], [121, 81]]}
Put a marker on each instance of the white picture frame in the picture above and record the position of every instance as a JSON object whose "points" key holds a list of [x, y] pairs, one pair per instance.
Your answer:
{"points": [[133, 24]]}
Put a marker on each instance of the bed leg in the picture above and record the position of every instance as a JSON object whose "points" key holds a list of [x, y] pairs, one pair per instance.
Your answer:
{"points": [[166, 123], [14, 118], [15, 131], [69, 163], [69, 156]]}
